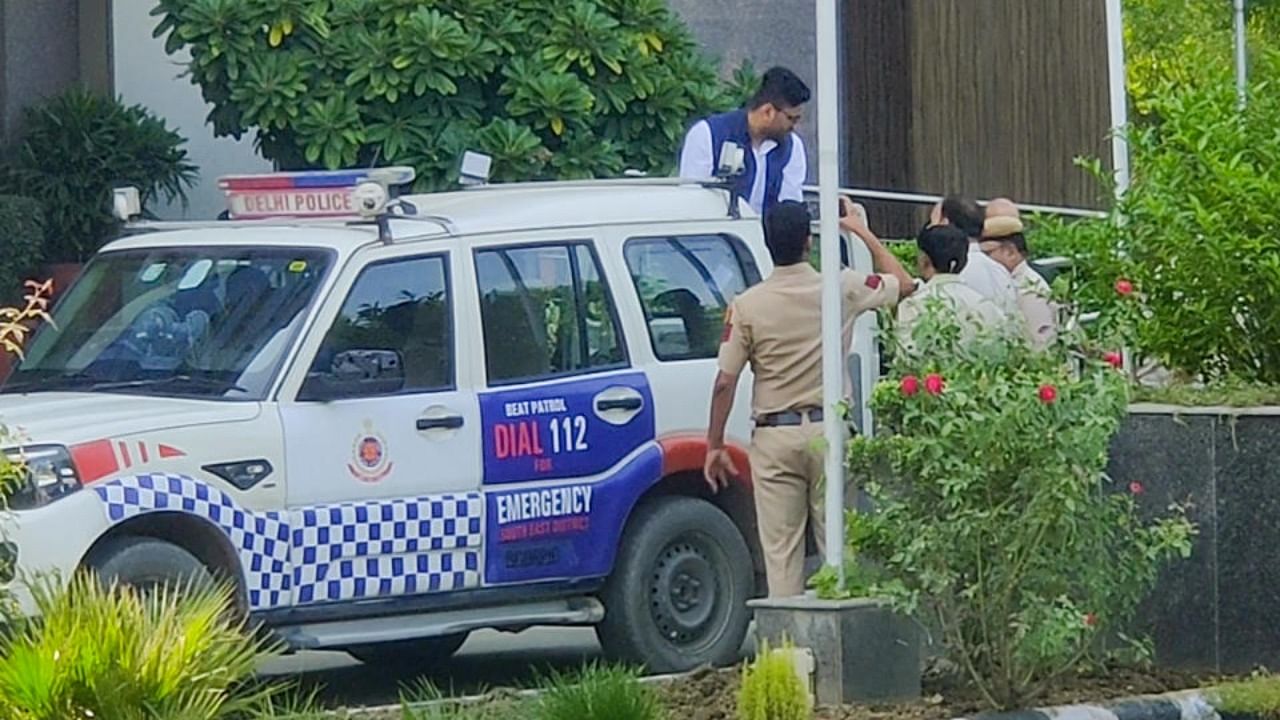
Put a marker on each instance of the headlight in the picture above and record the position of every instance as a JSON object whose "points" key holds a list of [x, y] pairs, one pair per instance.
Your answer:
{"points": [[39, 475]]}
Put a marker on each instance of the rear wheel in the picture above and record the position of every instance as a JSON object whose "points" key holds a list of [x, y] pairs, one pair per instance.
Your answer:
{"points": [[421, 653], [677, 598]]}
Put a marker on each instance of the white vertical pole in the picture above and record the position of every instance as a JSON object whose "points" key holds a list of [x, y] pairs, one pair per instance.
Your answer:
{"points": [[1242, 62], [1119, 95], [833, 352]]}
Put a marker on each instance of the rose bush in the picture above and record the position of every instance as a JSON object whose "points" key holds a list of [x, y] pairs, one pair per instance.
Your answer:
{"points": [[994, 520]]}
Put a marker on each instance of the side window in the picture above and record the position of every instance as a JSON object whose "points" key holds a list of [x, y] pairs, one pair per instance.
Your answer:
{"points": [[395, 325], [685, 285], [547, 311]]}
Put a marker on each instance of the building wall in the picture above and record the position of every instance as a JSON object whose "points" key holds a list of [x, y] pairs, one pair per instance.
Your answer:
{"points": [[983, 97], [144, 74], [39, 55], [766, 32]]}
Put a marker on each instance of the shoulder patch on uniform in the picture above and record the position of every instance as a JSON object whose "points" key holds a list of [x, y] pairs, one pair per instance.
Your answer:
{"points": [[727, 332], [874, 281]]}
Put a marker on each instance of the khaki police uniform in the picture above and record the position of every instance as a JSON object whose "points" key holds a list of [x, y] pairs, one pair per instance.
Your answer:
{"points": [[776, 327], [950, 294], [1038, 311]]}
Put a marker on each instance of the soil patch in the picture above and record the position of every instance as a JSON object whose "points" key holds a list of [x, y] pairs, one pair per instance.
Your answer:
{"points": [[713, 695]]}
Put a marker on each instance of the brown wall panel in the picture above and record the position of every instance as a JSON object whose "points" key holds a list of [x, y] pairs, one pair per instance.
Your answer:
{"points": [[985, 97]]}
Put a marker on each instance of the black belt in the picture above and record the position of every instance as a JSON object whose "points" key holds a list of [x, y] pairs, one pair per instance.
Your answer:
{"points": [[789, 417]]}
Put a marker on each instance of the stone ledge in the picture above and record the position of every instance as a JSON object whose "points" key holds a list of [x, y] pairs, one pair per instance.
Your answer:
{"points": [[810, 601], [1180, 705], [1215, 410]]}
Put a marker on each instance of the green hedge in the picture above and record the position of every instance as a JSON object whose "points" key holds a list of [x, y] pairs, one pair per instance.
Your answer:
{"points": [[21, 244]]}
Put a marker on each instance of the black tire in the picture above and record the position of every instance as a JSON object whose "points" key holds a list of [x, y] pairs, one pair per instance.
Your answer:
{"points": [[420, 653], [147, 564], [677, 598]]}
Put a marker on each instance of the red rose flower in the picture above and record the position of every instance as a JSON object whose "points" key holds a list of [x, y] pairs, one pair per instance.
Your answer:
{"points": [[910, 385], [1048, 394], [1114, 359], [1136, 488], [1124, 287], [1090, 620], [933, 384]]}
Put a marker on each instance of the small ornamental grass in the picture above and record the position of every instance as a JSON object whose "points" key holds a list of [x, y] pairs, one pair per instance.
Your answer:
{"points": [[115, 653], [599, 692], [771, 689]]}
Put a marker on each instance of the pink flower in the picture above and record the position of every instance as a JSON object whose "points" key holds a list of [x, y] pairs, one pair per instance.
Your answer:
{"points": [[1114, 359], [933, 384], [1048, 394], [1136, 488], [1124, 287], [910, 385]]}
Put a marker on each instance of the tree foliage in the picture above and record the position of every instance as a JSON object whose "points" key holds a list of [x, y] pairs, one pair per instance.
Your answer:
{"points": [[565, 90]]}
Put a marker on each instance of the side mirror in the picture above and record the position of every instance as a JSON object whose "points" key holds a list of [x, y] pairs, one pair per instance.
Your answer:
{"points": [[356, 373]]}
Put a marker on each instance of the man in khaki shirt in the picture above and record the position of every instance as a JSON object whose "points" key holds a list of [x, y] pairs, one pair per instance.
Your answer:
{"points": [[776, 327], [1003, 241]]}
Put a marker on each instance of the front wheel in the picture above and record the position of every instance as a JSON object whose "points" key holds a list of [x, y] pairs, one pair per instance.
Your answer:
{"points": [[677, 598]]}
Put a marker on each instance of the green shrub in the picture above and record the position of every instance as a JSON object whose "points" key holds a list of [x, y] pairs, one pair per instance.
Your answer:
{"points": [[23, 242], [567, 90], [994, 521], [771, 690], [1195, 234], [74, 149], [599, 692], [104, 653]]}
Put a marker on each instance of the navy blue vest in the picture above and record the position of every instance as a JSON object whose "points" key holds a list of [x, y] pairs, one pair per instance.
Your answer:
{"points": [[732, 127]]}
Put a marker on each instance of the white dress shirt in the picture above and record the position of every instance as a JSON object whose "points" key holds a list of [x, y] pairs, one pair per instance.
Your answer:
{"points": [[991, 280], [696, 162]]}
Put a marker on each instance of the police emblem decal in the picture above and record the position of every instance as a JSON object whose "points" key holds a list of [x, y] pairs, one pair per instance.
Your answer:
{"points": [[370, 461]]}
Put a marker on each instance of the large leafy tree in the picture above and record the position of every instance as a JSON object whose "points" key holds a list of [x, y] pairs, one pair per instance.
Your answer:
{"points": [[572, 89]]}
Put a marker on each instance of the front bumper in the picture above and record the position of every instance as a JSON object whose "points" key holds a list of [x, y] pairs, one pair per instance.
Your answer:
{"points": [[49, 542]]}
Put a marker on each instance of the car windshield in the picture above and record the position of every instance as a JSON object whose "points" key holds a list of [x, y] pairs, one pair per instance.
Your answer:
{"points": [[205, 322]]}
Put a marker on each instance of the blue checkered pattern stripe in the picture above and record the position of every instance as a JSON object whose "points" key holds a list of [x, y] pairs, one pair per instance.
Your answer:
{"points": [[327, 553], [394, 547]]}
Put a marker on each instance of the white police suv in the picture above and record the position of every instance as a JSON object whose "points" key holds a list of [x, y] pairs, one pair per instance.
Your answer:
{"points": [[392, 420]]}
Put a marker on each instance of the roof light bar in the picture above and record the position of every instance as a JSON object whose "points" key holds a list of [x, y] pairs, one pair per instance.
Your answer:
{"points": [[311, 193]]}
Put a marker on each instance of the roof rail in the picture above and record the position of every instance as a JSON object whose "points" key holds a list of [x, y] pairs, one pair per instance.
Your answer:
{"points": [[144, 226], [926, 199], [711, 183]]}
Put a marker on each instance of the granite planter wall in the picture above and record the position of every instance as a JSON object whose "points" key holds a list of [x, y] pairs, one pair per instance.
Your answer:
{"points": [[1219, 609]]}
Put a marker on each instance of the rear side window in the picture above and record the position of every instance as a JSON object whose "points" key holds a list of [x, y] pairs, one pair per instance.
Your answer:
{"points": [[685, 284], [547, 312]]}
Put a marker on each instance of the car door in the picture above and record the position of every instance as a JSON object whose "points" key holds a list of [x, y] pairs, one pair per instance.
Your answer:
{"points": [[568, 423], [383, 439]]}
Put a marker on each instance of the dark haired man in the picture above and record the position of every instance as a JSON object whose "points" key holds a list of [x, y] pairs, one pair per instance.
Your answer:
{"points": [[774, 161], [942, 257], [776, 327], [989, 278]]}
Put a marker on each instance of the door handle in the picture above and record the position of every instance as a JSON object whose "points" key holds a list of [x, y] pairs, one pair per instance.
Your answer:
{"points": [[631, 403], [448, 422]]}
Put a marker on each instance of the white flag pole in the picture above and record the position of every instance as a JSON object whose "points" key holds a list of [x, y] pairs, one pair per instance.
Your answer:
{"points": [[1119, 95], [1242, 61], [833, 351]]}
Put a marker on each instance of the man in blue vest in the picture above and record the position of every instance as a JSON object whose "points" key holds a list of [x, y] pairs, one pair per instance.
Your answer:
{"points": [[773, 156]]}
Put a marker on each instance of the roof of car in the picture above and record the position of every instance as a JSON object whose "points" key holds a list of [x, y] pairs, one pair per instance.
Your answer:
{"points": [[475, 211]]}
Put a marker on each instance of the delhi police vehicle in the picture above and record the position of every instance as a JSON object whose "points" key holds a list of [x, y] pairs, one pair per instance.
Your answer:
{"points": [[389, 420]]}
